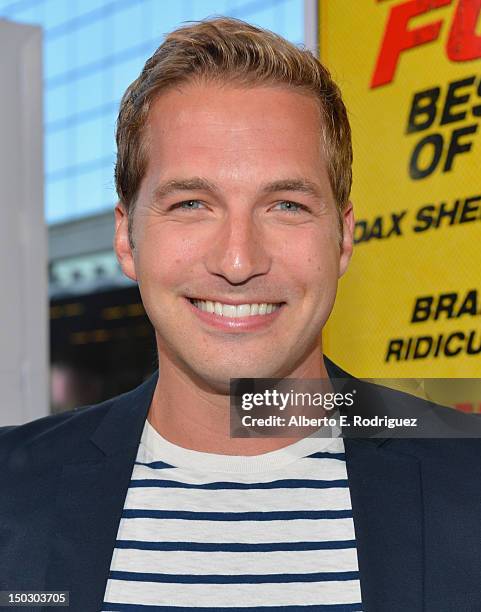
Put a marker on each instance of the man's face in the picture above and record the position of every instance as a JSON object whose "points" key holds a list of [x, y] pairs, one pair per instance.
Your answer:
{"points": [[235, 208]]}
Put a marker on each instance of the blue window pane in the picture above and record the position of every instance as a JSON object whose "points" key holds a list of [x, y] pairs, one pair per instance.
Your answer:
{"points": [[90, 43], [166, 17], [89, 141], [200, 10], [123, 74], [57, 56], [128, 28], [57, 151], [108, 132], [90, 90], [262, 14], [57, 103], [29, 15], [57, 201], [294, 21], [88, 6], [95, 190], [109, 187], [70, 16], [56, 12]]}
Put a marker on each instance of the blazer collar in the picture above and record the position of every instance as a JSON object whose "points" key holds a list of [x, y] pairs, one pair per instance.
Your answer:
{"points": [[90, 498], [122, 426]]}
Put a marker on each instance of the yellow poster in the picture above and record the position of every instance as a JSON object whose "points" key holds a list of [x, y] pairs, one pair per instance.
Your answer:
{"points": [[410, 72]]}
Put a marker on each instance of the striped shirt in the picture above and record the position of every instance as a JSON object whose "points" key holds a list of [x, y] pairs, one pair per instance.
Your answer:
{"points": [[201, 531]]}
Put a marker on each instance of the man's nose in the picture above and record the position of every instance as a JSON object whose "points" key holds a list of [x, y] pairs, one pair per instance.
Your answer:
{"points": [[238, 251]]}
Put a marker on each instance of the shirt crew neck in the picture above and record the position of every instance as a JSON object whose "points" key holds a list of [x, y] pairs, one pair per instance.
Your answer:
{"points": [[159, 448]]}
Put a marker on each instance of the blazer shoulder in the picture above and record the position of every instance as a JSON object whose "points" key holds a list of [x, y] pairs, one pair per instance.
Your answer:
{"points": [[64, 437], [444, 436], [57, 435], [448, 453]]}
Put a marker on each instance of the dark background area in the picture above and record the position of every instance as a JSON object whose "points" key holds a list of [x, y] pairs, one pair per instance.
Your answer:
{"points": [[101, 345]]}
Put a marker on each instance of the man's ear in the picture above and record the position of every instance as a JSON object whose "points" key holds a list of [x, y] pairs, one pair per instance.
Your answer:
{"points": [[122, 246], [347, 238]]}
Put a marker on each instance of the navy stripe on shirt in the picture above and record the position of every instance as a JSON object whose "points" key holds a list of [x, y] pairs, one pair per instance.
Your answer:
{"points": [[235, 547], [233, 578], [238, 516], [291, 483]]}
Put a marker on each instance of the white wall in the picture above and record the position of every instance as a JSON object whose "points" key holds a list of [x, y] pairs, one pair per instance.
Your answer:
{"points": [[23, 234], [311, 26]]}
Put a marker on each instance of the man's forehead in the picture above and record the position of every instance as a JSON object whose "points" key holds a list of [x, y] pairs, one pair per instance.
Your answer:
{"points": [[200, 139], [195, 104], [241, 127]]}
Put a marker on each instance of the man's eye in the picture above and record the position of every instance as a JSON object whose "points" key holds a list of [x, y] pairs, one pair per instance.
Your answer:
{"points": [[292, 207], [187, 205]]}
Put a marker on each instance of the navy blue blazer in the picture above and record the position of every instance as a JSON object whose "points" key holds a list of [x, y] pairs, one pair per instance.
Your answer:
{"points": [[63, 480]]}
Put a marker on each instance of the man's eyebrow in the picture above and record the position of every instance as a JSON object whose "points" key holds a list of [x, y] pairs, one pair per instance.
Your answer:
{"points": [[195, 183], [294, 184], [198, 183]]}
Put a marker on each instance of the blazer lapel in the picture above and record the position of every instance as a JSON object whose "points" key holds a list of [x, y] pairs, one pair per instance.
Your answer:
{"points": [[90, 500], [387, 507]]}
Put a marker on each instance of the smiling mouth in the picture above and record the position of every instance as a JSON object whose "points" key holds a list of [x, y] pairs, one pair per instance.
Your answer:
{"points": [[236, 310]]}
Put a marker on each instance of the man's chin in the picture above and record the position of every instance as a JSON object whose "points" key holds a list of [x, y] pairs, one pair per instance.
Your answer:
{"points": [[218, 380]]}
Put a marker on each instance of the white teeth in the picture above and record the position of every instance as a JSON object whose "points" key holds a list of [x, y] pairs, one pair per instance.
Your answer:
{"points": [[243, 310], [230, 310]]}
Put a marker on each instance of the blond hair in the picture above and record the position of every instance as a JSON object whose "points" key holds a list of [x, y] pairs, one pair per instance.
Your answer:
{"points": [[230, 51]]}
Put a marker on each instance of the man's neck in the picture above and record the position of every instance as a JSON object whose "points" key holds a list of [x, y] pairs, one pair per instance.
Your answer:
{"points": [[198, 419]]}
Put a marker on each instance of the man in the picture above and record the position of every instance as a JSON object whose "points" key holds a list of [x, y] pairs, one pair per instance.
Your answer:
{"points": [[234, 173]]}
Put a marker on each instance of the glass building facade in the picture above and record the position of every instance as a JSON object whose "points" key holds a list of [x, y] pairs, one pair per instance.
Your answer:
{"points": [[93, 49], [101, 341]]}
